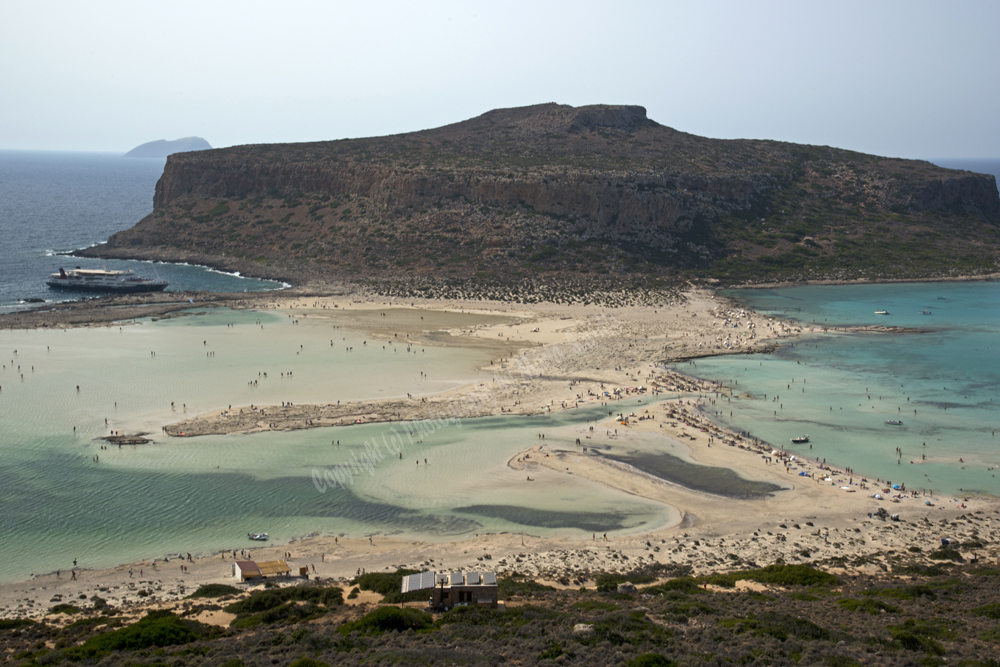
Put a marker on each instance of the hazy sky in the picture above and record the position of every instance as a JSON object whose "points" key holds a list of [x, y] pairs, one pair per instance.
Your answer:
{"points": [[906, 78]]}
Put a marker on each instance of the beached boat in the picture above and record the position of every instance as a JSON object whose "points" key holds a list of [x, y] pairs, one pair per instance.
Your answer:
{"points": [[801, 439], [893, 422], [102, 280], [881, 312], [260, 537]]}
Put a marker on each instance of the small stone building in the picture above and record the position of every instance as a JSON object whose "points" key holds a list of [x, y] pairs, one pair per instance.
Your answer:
{"points": [[448, 590]]}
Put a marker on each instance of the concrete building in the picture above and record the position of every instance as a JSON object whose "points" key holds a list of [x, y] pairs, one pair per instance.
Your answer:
{"points": [[448, 590]]}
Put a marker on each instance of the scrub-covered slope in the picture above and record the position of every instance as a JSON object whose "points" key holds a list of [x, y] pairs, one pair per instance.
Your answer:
{"points": [[569, 195]]}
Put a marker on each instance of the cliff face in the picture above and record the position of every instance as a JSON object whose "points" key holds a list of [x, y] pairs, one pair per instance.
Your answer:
{"points": [[581, 192]]}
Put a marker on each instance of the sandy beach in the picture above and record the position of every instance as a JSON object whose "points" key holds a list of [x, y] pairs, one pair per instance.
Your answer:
{"points": [[552, 358]]}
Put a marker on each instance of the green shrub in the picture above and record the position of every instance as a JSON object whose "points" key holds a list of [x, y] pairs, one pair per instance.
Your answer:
{"points": [[287, 612], [516, 585], [693, 608], [385, 619], [991, 635], [219, 209], [778, 574], [929, 590], [64, 609], [156, 629], [679, 585], [608, 582], [793, 575], [305, 661], [650, 660], [946, 554], [268, 599], [215, 591], [912, 642], [869, 605], [552, 652], [11, 623], [841, 661], [284, 605], [633, 628], [389, 585], [922, 570], [777, 625], [988, 610], [93, 620], [804, 597], [596, 605], [915, 635], [508, 621]]}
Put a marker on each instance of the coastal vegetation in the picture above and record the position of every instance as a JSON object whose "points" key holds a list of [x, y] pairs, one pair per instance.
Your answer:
{"points": [[802, 615]]}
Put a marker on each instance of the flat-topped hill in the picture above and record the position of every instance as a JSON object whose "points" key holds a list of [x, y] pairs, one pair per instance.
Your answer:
{"points": [[553, 193]]}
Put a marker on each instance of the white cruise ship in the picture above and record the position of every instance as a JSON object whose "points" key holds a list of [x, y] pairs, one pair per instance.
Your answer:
{"points": [[102, 280]]}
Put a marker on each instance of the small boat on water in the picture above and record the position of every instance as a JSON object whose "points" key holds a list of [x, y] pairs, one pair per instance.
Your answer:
{"points": [[103, 280], [893, 422], [925, 312], [801, 439], [881, 312], [260, 537]]}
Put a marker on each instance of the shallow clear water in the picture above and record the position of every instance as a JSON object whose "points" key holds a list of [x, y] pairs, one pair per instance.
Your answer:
{"points": [[205, 494], [839, 388]]}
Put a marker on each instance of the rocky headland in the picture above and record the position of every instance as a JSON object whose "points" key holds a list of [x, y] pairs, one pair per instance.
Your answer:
{"points": [[515, 200]]}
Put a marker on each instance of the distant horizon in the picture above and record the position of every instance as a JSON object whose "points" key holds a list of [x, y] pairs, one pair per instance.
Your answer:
{"points": [[898, 78]]}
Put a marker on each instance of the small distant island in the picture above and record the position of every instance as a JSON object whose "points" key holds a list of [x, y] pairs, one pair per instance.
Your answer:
{"points": [[163, 148]]}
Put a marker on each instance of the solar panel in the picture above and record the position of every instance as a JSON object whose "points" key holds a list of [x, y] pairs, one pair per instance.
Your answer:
{"points": [[472, 579], [489, 578], [417, 582], [456, 579]]}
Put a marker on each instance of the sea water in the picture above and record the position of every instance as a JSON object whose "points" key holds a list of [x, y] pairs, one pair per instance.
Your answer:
{"points": [[941, 382], [56, 202], [204, 494]]}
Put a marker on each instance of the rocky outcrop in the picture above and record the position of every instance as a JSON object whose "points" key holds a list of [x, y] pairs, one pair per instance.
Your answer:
{"points": [[588, 190]]}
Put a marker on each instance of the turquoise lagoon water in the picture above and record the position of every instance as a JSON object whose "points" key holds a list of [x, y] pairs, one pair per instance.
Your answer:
{"points": [[839, 388], [204, 494]]}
